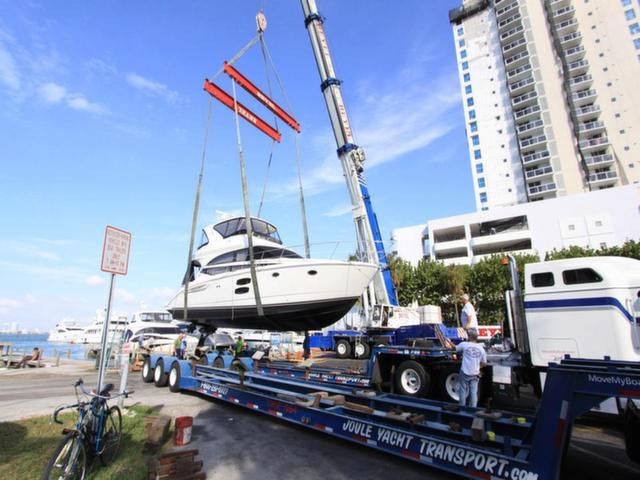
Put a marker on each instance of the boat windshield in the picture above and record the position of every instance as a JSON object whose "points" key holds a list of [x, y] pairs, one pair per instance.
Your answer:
{"points": [[155, 317], [236, 226], [240, 258]]}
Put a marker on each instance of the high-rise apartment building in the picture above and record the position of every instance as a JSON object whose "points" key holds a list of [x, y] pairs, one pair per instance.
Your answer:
{"points": [[551, 97]]}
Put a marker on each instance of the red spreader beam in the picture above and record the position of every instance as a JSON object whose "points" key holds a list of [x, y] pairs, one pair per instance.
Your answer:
{"points": [[226, 99], [259, 95]]}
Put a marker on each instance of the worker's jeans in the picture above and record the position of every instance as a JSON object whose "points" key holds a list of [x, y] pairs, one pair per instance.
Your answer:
{"points": [[468, 386]]}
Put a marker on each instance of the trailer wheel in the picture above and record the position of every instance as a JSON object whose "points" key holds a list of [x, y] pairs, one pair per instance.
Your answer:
{"points": [[449, 385], [159, 375], [361, 350], [174, 377], [147, 371], [218, 362], [203, 360], [632, 431], [412, 379], [343, 348]]}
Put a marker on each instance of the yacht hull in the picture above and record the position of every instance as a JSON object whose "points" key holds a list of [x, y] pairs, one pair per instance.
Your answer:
{"points": [[300, 294]]}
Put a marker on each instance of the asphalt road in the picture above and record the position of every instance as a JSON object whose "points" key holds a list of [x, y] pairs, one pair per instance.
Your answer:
{"points": [[237, 444]]}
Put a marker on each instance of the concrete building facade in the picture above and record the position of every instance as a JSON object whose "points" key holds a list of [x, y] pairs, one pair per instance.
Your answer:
{"points": [[603, 218], [548, 90]]}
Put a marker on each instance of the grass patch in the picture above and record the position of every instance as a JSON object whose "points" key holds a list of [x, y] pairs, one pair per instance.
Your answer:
{"points": [[27, 445]]}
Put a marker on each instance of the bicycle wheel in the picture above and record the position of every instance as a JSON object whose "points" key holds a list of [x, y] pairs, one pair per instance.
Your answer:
{"points": [[69, 460], [111, 435]]}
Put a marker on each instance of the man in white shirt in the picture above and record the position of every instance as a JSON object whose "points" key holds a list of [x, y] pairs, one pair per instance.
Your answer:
{"points": [[468, 316], [473, 359]]}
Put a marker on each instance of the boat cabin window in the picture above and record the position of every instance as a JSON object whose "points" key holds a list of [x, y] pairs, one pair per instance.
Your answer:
{"points": [[240, 257], [580, 275], [155, 317], [544, 279], [236, 226], [204, 240], [192, 273]]}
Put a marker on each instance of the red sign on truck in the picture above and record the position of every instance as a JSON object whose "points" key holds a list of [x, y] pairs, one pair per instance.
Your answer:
{"points": [[115, 251]]}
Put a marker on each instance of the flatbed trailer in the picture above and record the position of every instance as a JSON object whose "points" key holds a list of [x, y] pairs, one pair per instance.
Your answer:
{"points": [[469, 442], [414, 371]]}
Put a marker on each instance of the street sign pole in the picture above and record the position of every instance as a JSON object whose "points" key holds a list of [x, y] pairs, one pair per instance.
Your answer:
{"points": [[104, 353], [115, 260]]}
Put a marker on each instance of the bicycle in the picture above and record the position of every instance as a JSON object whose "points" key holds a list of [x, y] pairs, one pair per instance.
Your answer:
{"points": [[97, 433]]}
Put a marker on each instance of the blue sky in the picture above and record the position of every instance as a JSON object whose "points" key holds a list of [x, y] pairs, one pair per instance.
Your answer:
{"points": [[103, 119]]}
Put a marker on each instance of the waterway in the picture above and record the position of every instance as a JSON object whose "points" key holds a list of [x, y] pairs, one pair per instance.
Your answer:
{"points": [[24, 343]]}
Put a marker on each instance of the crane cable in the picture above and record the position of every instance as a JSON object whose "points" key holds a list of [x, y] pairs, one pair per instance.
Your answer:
{"points": [[303, 210], [196, 204]]}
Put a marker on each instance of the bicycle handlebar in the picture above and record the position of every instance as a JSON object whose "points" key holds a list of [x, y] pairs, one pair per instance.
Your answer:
{"points": [[80, 383]]}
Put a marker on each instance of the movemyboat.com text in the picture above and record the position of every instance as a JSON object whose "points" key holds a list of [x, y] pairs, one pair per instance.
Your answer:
{"points": [[614, 380]]}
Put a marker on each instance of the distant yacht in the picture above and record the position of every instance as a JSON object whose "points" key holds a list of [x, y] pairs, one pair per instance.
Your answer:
{"points": [[152, 329], [296, 293], [93, 333], [66, 331]]}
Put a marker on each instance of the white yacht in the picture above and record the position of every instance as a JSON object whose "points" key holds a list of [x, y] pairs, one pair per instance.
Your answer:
{"points": [[296, 293], [93, 333], [67, 331], [152, 328]]}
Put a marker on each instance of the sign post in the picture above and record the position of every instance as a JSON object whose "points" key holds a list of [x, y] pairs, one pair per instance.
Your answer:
{"points": [[115, 260]]}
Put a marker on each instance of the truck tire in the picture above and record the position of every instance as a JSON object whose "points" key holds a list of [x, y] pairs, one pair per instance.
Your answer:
{"points": [[632, 431], [174, 377], [412, 379], [147, 371], [159, 375], [448, 384], [343, 348], [218, 362], [361, 350]]}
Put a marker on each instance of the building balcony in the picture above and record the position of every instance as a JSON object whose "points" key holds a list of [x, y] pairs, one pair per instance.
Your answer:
{"points": [[570, 40], [602, 179], [500, 239], [517, 60], [599, 161], [583, 97], [531, 127], [518, 73], [563, 13], [527, 113], [509, 22], [587, 112], [539, 173], [593, 143], [540, 156], [513, 34], [580, 82], [566, 26], [502, 13], [591, 128], [542, 189], [558, 3], [451, 246], [521, 86], [574, 53], [532, 141], [526, 99], [578, 67], [515, 47]]}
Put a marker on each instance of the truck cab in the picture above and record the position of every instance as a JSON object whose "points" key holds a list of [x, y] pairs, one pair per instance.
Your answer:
{"points": [[583, 307]]}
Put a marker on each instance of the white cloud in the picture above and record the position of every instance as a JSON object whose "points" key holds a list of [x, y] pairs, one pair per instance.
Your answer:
{"points": [[151, 87], [53, 93], [222, 215], [124, 296], [9, 75], [339, 210], [30, 299], [412, 114], [95, 281], [9, 303]]}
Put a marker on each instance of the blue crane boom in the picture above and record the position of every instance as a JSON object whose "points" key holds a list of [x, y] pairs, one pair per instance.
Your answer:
{"points": [[352, 158]]}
